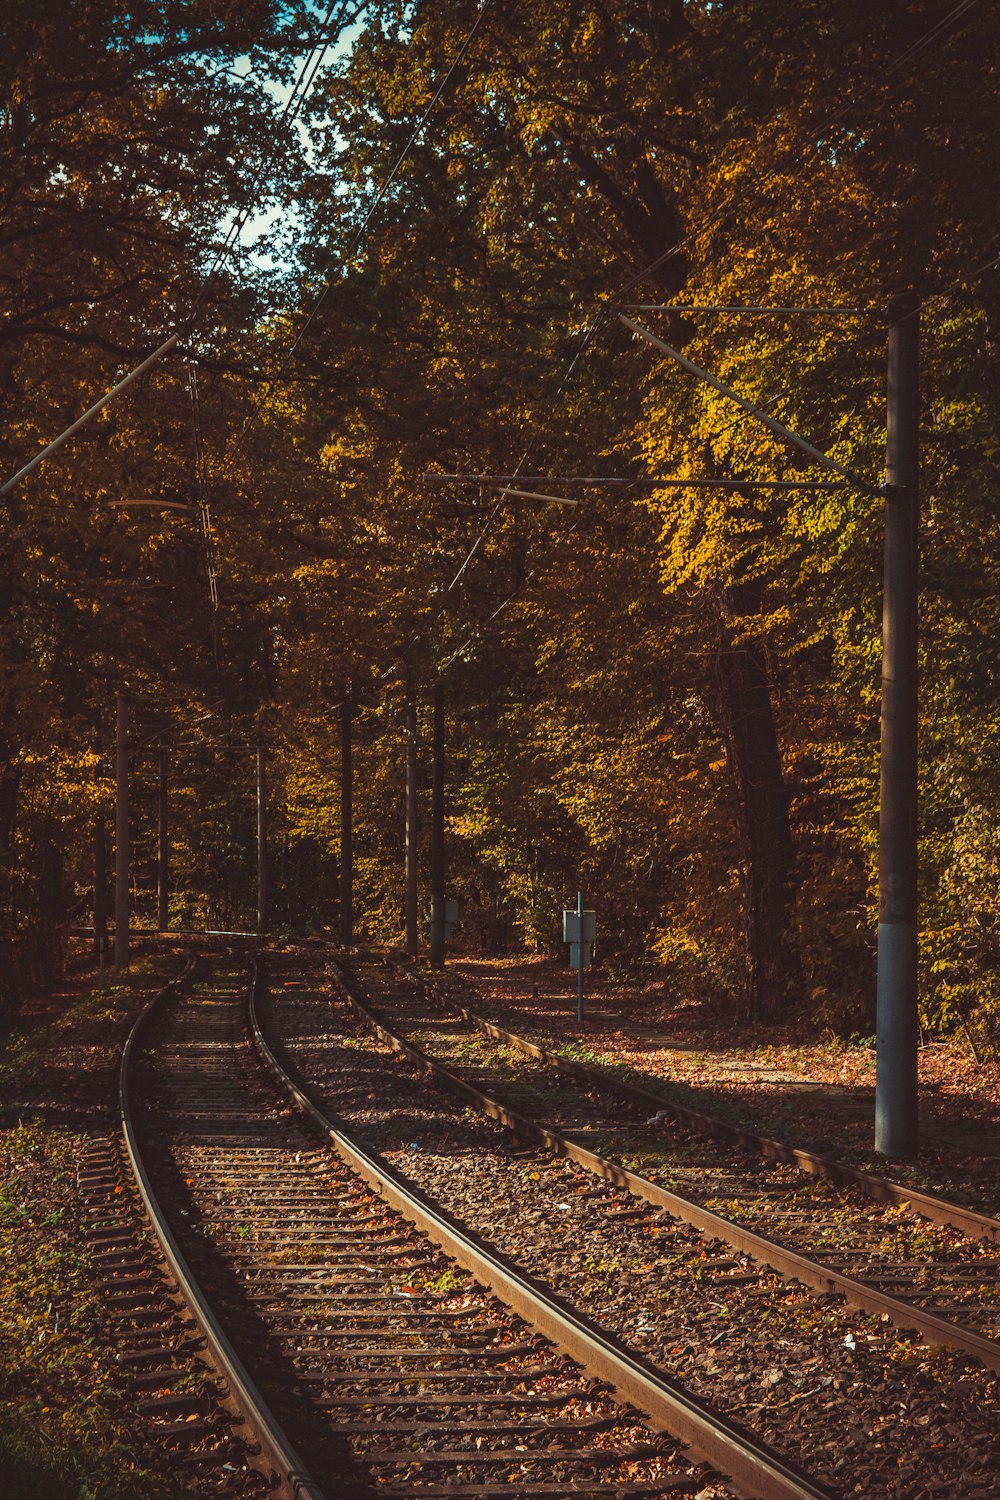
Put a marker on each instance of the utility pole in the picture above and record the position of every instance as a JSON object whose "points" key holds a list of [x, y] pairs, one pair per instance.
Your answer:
{"points": [[121, 837], [437, 831], [262, 890], [579, 972], [100, 890], [162, 842], [410, 901], [346, 824], [896, 1024]]}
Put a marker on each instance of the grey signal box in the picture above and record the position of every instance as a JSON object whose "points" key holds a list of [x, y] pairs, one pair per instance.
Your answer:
{"points": [[571, 929], [579, 930]]}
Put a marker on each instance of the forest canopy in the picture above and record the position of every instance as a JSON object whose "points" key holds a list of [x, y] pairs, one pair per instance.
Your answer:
{"points": [[665, 695]]}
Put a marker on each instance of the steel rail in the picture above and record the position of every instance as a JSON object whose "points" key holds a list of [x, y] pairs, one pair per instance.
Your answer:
{"points": [[749, 1467], [880, 1189], [788, 1263], [245, 1400]]}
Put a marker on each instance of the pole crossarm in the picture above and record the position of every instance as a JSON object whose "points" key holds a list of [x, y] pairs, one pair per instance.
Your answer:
{"points": [[536, 495], [91, 411], [178, 505], [649, 482], [696, 307], [778, 428]]}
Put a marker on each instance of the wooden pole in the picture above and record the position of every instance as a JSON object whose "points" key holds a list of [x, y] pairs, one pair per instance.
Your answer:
{"points": [[346, 824], [121, 837], [162, 843], [262, 870], [100, 889], [437, 832], [411, 858]]}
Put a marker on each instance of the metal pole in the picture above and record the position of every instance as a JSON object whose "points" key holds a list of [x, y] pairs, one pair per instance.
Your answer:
{"points": [[346, 824], [579, 972], [410, 902], [121, 837], [162, 843], [262, 886], [437, 832], [896, 1024]]}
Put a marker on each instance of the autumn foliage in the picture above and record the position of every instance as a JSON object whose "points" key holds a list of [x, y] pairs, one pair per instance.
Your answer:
{"points": [[667, 696]]}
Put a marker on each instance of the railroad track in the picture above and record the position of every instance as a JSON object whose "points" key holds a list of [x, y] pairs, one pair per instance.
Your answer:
{"points": [[923, 1263], [694, 1292], [182, 1400], [363, 1359]]}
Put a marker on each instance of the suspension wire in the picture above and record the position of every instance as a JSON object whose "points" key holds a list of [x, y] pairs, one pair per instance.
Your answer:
{"points": [[585, 342], [331, 26], [285, 119], [606, 302], [325, 34], [861, 94], [925, 40], [355, 240], [938, 299], [705, 307]]}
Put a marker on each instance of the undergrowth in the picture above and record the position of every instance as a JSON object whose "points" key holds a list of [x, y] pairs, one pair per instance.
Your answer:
{"points": [[66, 1430]]}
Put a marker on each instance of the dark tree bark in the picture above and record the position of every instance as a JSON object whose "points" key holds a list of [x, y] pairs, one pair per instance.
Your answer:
{"points": [[767, 868]]}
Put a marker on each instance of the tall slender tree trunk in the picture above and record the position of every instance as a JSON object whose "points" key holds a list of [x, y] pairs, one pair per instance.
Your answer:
{"points": [[766, 846]]}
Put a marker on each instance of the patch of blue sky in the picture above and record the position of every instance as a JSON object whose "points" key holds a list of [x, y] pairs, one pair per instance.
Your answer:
{"points": [[270, 227]]}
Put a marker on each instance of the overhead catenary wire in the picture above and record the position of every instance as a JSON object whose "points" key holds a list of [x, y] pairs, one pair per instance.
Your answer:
{"points": [[585, 342], [862, 93], [326, 33], [359, 233], [641, 481], [938, 299], [608, 303], [854, 96], [173, 339], [566, 534]]}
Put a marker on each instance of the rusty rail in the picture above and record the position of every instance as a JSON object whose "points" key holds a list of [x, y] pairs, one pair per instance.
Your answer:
{"points": [[245, 1400], [751, 1469], [788, 1263]]}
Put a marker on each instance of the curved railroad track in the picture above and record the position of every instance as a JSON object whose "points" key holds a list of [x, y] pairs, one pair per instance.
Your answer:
{"points": [[364, 1360], [191, 1427], [840, 1381], [824, 1224]]}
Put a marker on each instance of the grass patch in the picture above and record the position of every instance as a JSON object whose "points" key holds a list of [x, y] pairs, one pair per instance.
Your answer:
{"points": [[66, 1427]]}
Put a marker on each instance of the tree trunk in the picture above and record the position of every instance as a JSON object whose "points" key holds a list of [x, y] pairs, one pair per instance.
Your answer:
{"points": [[767, 850]]}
